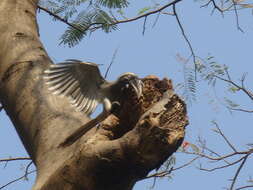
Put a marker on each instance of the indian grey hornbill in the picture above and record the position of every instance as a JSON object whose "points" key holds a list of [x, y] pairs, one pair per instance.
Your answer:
{"points": [[83, 84]]}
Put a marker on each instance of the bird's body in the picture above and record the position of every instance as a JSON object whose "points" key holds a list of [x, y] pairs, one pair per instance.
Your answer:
{"points": [[83, 84]]}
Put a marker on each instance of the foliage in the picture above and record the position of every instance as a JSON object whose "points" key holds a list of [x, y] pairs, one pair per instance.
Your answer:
{"points": [[85, 15], [85, 20], [189, 84]]}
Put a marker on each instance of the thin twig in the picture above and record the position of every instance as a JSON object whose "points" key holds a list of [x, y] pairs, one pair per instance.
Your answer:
{"points": [[27, 168], [168, 13], [167, 172], [186, 38], [112, 61], [22, 177], [224, 166], [214, 5], [237, 17], [154, 182], [243, 79], [240, 109], [244, 187], [14, 159], [248, 93], [160, 174], [237, 172], [60, 18], [156, 19], [224, 137], [219, 158], [227, 73], [17, 179], [215, 153], [186, 164], [144, 25]]}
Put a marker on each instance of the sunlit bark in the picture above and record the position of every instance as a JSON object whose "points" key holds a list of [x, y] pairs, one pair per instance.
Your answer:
{"points": [[127, 145]]}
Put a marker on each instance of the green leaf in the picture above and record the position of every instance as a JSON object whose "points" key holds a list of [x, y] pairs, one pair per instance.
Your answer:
{"points": [[113, 3], [88, 21], [105, 20], [246, 5], [72, 36], [194, 147], [215, 130], [189, 84], [233, 89], [143, 10], [210, 57], [231, 103]]}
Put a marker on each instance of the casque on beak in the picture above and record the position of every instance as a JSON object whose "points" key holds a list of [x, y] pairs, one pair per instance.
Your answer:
{"points": [[137, 84]]}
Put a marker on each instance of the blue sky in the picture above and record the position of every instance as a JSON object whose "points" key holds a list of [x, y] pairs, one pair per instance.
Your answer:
{"points": [[156, 53]]}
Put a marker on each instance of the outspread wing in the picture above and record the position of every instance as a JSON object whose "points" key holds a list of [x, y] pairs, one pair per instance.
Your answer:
{"points": [[77, 80]]}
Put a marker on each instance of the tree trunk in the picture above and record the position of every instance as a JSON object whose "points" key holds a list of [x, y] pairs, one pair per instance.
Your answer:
{"points": [[135, 140]]}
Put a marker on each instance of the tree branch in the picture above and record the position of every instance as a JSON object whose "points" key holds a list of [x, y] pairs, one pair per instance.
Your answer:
{"points": [[244, 187], [231, 6], [60, 18], [248, 93], [214, 5], [14, 159], [186, 39], [224, 137], [240, 109], [224, 166], [167, 172], [114, 23], [112, 61], [237, 16], [238, 171], [243, 156], [27, 172]]}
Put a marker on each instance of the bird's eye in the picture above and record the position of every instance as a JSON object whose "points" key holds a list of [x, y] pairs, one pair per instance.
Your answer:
{"points": [[125, 80]]}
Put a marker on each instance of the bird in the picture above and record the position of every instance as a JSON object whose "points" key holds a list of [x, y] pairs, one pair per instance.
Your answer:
{"points": [[85, 87]]}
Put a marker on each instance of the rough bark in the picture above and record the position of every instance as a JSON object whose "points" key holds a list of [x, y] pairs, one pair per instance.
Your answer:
{"points": [[139, 137]]}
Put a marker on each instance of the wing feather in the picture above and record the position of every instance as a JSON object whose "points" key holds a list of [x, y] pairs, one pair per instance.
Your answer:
{"points": [[92, 106], [87, 106], [78, 99], [79, 103], [77, 80], [72, 88], [57, 84], [66, 87], [84, 104]]}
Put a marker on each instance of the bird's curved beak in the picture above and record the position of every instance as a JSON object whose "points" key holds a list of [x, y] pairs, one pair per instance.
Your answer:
{"points": [[137, 85]]}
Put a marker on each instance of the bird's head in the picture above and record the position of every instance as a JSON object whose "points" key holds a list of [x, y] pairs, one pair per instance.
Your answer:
{"points": [[131, 80]]}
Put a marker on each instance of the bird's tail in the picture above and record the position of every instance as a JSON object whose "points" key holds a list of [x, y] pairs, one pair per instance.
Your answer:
{"points": [[84, 129]]}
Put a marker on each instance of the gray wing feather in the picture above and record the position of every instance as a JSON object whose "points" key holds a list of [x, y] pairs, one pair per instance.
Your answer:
{"points": [[77, 80], [93, 106]]}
